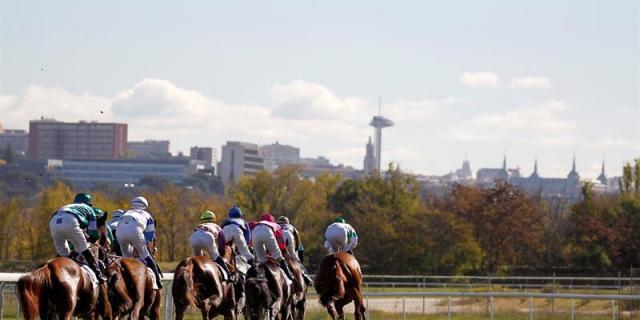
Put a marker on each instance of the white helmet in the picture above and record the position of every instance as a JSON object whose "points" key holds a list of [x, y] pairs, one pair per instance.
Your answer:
{"points": [[139, 203], [117, 214]]}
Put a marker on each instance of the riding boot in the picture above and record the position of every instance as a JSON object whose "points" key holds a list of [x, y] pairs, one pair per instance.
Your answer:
{"points": [[285, 267], [94, 265], [223, 264], [152, 264]]}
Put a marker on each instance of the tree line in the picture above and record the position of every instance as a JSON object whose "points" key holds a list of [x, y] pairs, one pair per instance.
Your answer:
{"points": [[402, 230]]}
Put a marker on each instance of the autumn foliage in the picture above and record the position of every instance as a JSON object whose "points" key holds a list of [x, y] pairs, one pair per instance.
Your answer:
{"points": [[468, 231]]}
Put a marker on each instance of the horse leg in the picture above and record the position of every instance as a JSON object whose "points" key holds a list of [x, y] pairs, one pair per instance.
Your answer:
{"points": [[331, 310], [154, 311], [340, 309], [204, 309], [300, 309], [180, 309], [359, 307]]}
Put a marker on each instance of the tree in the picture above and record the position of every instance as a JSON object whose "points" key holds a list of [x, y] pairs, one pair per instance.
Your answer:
{"points": [[8, 155]]}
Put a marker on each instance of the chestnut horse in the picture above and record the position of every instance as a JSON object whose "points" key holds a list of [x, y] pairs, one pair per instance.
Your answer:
{"points": [[338, 282], [62, 288], [198, 281], [132, 290], [268, 294]]}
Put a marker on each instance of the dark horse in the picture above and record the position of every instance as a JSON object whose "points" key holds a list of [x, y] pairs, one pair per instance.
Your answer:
{"points": [[61, 288], [268, 294], [338, 282], [131, 289], [198, 281], [299, 295]]}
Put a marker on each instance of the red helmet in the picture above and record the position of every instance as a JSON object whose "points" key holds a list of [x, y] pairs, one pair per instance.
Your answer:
{"points": [[267, 217], [252, 224]]}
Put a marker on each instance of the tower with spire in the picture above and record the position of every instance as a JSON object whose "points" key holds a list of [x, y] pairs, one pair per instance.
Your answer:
{"points": [[369, 159], [602, 177], [535, 174]]}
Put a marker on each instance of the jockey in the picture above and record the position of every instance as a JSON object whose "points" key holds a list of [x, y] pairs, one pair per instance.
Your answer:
{"points": [[67, 225], [267, 237], [237, 231], [208, 237], [116, 216], [291, 238], [340, 236], [135, 230]]}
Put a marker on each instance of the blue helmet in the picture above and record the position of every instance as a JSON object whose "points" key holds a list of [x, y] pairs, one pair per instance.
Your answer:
{"points": [[235, 212]]}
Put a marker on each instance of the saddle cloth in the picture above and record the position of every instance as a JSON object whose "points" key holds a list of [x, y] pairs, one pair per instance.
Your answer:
{"points": [[89, 273], [153, 278]]}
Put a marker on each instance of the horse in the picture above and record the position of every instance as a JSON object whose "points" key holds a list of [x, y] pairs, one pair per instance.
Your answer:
{"points": [[338, 282], [198, 281], [299, 296], [131, 289], [268, 294], [60, 287]]}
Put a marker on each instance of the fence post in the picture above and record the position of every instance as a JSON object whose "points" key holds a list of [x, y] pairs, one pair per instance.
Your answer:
{"points": [[491, 308], [2, 284], [368, 307], [449, 308], [613, 310], [404, 310], [423, 305], [530, 308], [571, 310]]}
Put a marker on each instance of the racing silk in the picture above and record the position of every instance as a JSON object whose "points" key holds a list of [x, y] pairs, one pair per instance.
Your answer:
{"points": [[241, 224], [145, 221], [277, 231], [294, 231], [215, 230], [85, 215], [113, 223], [351, 232]]}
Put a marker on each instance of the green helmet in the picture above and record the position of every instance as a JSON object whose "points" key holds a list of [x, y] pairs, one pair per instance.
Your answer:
{"points": [[340, 220], [83, 198], [99, 213], [207, 216]]}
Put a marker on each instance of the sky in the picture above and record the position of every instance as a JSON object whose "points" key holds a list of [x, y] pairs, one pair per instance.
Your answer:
{"points": [[529, 79]]}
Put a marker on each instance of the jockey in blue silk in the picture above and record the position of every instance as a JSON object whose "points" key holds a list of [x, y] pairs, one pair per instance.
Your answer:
{"points": [[135, 230], [236, 230], [68, 224]]}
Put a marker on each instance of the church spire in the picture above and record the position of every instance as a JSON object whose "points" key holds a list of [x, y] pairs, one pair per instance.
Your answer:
{"points": [[602, 177], [504, 162], [573, 167]]}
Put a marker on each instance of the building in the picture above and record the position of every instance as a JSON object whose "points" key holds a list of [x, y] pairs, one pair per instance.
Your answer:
{"points": [[148, 149], [369, 163], [319, 161], [51, 139], [379, 122], [121, 173], [567, 188], [17, 139], [204, 154], [491, 175], [276, 155], [240, 159]]}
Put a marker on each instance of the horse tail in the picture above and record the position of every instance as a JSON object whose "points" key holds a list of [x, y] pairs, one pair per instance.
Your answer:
{"points": [[32, 288], [183, 288]]}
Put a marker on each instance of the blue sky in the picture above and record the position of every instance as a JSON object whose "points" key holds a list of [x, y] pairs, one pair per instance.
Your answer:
{"points": [[532, 78]]}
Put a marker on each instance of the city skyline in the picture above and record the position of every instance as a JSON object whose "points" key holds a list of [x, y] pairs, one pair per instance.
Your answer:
{"points": [[534, 80]]}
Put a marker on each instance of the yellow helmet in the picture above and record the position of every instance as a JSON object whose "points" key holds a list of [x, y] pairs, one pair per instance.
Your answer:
{"points": [[207, 216]]}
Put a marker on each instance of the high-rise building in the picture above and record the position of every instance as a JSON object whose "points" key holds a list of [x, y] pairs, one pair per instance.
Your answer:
{"points": [[17, 139], [276, 155], [369, 159], [51, 139], [148, 149], [205, 154], [239, 159]]}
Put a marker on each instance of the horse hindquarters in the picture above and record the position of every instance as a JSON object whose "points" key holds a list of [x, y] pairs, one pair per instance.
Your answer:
{"points": [[31, 291]]}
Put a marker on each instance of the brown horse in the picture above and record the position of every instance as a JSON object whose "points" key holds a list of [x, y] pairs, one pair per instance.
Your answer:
{"points": [[299, 296], [268, 295], [198, 281], [131, 290], [61, 288], [338, 282]]}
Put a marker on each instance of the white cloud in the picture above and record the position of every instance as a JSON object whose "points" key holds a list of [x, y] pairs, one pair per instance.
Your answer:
{"points": [[612, 143], [531, 83], [538, 125], [479, 79], [412, 110], [492, 80]]}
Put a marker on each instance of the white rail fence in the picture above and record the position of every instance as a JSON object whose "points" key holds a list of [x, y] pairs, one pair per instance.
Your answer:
{"points": [[8, 280]]}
